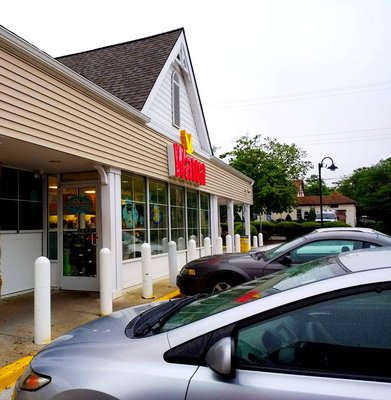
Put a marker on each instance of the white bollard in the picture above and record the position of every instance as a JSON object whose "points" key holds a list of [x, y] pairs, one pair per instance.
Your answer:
{"points": [[228, 244], [255, 241], [42, 318], [146, 264], [165, 245], [172, 263], [207, 249], [219, 245], [181, 243], [260, 239], [105, 282], [237, 243], [191, 250]]}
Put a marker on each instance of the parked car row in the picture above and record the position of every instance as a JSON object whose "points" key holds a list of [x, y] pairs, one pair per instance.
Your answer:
{"points": [[219, 272], [320, 330]]}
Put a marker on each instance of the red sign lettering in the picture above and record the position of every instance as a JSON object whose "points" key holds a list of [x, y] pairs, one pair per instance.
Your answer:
{"points": [[182, 166]]}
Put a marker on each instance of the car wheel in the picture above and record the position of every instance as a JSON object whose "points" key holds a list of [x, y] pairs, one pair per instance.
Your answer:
{"points": [[222, 284]]}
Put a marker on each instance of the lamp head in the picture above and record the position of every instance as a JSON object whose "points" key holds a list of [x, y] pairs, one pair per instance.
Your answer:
{"points": [[332, 167]]}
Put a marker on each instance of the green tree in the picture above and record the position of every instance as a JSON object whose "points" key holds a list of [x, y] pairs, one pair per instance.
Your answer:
{"points": [[273, 166], [311, 186], [371, 188]]}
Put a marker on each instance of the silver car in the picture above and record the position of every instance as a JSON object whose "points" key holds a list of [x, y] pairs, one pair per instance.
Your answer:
{"points": [[318, 331]]}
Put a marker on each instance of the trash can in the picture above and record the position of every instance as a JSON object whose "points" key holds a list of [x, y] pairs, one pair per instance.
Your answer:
{"points": [[244, 244]]}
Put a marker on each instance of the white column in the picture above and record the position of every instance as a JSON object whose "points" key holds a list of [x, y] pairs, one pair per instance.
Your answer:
{"points": [[230, 218], [214, 221], [111, 230], [105, 284], [247, 220]]}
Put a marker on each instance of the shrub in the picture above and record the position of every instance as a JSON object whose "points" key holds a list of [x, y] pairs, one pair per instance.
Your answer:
{"points": [[307, 227], [240, 230], [289, 229]]}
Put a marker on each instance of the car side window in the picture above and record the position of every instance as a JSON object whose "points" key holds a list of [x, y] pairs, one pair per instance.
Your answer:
{"points": [[323, 248], [348, 336]]}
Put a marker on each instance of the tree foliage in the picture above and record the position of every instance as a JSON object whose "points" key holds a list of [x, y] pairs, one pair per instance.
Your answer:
{"points": [[371, 188], [311, 186], [273, 166]]}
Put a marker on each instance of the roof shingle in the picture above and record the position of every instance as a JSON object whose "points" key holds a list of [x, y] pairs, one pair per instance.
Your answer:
{"points": [[333, 198], [126, 70]]}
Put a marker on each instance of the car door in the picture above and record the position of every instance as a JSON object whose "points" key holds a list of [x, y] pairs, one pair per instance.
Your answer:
{"points": [[337, 347]]}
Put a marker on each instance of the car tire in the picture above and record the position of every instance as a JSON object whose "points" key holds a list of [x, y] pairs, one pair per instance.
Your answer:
{"points": [[221, 284]]}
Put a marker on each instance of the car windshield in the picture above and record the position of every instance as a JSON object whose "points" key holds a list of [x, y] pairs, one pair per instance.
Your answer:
{"points": [[287, 279]]}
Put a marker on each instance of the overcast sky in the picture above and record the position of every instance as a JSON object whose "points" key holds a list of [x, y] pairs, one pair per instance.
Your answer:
{"points": [[312, 72]]}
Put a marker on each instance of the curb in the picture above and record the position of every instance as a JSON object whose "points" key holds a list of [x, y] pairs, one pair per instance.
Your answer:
{"points": [[10, 373]]}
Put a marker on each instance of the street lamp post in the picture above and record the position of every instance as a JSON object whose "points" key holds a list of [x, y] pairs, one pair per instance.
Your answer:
{"points": [[332, 167]]}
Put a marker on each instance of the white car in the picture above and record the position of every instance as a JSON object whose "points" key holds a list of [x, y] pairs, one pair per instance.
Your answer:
{"points": [[314, 332]]}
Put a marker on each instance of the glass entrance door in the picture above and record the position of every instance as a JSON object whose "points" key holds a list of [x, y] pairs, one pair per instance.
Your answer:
{"points": [[79, 238]]}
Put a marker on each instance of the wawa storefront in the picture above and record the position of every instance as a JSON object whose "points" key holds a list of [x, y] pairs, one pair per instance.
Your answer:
{"points": [[81, 171]]}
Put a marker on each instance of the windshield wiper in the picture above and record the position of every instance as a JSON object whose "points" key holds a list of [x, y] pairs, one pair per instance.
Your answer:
{"points": [[148, 322]]}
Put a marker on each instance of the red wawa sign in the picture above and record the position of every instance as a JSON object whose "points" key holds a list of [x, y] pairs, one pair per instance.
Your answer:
{"points": [[181, 165]]}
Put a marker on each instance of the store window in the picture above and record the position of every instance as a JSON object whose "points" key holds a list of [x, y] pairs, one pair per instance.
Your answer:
{"points": [[52, 217], [177, 212], [205, 217], [192, 216], [20, 200], [133, 202], [158, 209]]}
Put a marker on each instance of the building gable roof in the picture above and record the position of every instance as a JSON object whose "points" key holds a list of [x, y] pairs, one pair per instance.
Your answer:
{"points": [[134, 71], [127, 70], [333, 198]]}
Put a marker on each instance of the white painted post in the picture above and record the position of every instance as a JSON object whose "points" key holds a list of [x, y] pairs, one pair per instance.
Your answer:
{"points": [[146, 266], [237, 243], [165, 245], [42, 318], [219, 245], [172, 263], [105, 282], [228, 244], [255, 241], [191, 250], [260, 239], [207, 249], [181, 243]]}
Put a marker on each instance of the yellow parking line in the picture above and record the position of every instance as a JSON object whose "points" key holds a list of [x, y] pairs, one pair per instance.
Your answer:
{"points": [[10, 373]]}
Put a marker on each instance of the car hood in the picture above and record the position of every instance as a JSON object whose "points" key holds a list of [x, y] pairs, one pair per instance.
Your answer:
{"points": [[220, 258], [104, 329]]}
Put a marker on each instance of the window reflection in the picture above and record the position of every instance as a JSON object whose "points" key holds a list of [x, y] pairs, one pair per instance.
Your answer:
{"points": [[133, 215]]}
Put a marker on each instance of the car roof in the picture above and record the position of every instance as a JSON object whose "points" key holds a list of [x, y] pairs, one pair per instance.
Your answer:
{"points": [[366, 259], [347, 229]]}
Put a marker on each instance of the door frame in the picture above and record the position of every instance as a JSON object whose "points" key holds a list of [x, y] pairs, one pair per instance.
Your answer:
{"points": [[81, 283]]}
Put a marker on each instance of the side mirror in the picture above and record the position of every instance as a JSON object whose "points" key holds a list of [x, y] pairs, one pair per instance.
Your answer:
{"points": [[219, 357], [286, 261]]}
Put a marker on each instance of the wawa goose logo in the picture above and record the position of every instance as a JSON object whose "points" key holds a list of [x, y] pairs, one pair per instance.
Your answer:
{"points": [[181, 165]]}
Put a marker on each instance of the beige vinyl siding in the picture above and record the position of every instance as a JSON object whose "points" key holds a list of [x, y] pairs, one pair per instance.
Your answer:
{"points": [[54, 111]]}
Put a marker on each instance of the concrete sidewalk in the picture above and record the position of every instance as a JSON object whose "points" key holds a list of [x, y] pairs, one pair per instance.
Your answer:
{"points": [[69, 310]]}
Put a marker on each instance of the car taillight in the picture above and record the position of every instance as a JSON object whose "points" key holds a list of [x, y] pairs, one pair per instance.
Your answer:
{"points": [[32, 381]]}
